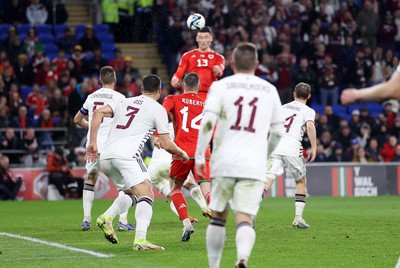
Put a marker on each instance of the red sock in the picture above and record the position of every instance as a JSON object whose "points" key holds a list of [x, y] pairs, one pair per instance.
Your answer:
{"points": [[180, 203], [208, 196]]}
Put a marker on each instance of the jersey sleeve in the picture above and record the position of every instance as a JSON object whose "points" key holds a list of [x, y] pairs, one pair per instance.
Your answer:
{"points": [[213, 103], [85, 107], [221, 62], [182, 67], [277, 117], [161, 121], [309, 115], [114, 106], [169, 104]]}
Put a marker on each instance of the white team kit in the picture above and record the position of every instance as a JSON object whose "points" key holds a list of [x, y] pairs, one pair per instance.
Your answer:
{"points": [[289, 151], [135, 120], [248, 108], [97, 100]]}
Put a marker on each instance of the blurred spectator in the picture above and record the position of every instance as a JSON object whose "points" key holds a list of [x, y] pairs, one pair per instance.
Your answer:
{"points": [[320, 157], [361, 156], [351, 152], [11, 36], [15, 50], [46, 121], [95, 63], [387, 33], [4, 118], [32, 43], [389, 115], [36, 13], [66, 42], [32, 147], [23, 71], [22, 120], [333, 119], [128, 68], [396, 157], [8, 78], [15, 12], [284, 62], [368, 24], [360, 70], [80, 153], [355, 123], [366, 118], [388, 149], [397, 37], [373, 151], [60, 175], [129, 88], [42, 69], [57, 12], [89, 41], [329, 82], [337, 154], [10, 142], [41, 103], [175, 42], [266, 70], [118, 62], [344, 137], [73, 71], [79, 60], [77, 97], [61, 61], [15, 100], [9, 184], [58, 106]]}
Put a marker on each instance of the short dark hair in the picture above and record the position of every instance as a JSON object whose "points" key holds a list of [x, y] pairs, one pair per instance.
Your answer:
{"points": [[107, 75], [302, 90], [245, 56], [206, 29], [191, 81], [151, 83]]}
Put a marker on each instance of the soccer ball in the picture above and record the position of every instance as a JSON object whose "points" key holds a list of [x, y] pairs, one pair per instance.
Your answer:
{"points": [[196, 21]]}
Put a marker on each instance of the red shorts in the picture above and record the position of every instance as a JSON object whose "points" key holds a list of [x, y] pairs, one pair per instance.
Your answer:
{"points": [[180, 170]]}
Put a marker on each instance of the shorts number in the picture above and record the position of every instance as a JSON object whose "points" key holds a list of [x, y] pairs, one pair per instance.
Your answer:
{"points": [[131, 116], [289, 121], [202, 63], [193, 124], [252, 104]]}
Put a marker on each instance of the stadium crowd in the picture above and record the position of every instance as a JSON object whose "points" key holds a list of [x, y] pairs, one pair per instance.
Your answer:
{"points": [[331, 45]]}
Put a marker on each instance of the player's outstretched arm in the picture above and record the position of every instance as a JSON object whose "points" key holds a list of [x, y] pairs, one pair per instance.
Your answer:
{"points": [[380, 92], [168, 145], [81, 120], [312, 136], [98, 115]]}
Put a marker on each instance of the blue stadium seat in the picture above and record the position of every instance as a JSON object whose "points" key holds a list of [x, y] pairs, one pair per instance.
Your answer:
{"points": [[109, 56], [50, 49], [374, 107], [51, 56], [43, 29], [60, 28], [3, 37], [23, 28], [338, 109], [4, 28], [107, 47], [25, 90], [105, 37], [319, 108], [101, 28], [355, 107], [80, 29], [22, 37], [46, 38]]}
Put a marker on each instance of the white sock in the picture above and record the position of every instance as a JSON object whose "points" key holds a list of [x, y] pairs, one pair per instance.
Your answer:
{"points": [[215, 236], [123, 217], [143, 214], [245, 238], [299, 208], [197, 195], [87, 199], [186, 222], [173, 208], [121, 204], [165, 190]]}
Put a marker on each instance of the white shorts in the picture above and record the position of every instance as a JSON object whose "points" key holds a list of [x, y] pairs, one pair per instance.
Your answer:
{"points": [[93, 167], [295, 165], [159, 168], [243, 195], [125, 173]]}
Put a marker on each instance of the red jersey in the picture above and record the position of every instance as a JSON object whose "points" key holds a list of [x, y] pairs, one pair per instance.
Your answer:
{"points": [[186, 110], [200, 63], [61, 64]]}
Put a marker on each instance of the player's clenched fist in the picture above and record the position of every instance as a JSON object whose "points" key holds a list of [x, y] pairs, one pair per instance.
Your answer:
{"points": [[217, 70], [349, 96], [175, 82]]}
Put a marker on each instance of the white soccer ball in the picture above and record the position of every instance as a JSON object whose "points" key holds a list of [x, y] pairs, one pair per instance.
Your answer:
{"points": [[196, 21]]}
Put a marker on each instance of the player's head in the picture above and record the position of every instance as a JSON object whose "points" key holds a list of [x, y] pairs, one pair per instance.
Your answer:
{"points": [[151, 84], [108, 76], [204, 38], [302, 91], [244, 58], [191, 82]]}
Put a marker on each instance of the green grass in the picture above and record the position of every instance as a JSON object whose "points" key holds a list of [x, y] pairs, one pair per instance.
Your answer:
{"points": [[345, 232]]}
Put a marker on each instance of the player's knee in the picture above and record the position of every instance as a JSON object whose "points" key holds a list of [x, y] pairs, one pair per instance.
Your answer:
{"points": [[147, 199], [92, 178], [176, 191], [244, 224]]}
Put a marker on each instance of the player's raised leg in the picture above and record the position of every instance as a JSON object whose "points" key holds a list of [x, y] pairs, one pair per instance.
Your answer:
{"points": [[93, 169], [197, 195], [123, 224]]}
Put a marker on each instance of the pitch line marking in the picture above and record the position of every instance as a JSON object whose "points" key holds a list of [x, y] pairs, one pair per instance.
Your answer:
{"points": [[57, 245]]}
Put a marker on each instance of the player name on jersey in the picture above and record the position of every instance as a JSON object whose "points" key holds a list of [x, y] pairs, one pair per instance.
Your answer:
{"points": [[247, 86], [192, 102]]}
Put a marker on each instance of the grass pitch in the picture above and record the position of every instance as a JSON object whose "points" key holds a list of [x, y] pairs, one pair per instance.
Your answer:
{"points": [[345, 232]]}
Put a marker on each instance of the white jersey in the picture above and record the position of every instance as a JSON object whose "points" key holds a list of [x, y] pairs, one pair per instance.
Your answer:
{"points": [[135, 120], [248, 108], [96, 100], [160, 154], [296, 115]]}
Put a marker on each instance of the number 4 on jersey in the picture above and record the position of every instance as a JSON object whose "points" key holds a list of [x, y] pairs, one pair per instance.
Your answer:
{"points": [[289, 121], [194, 124]]}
